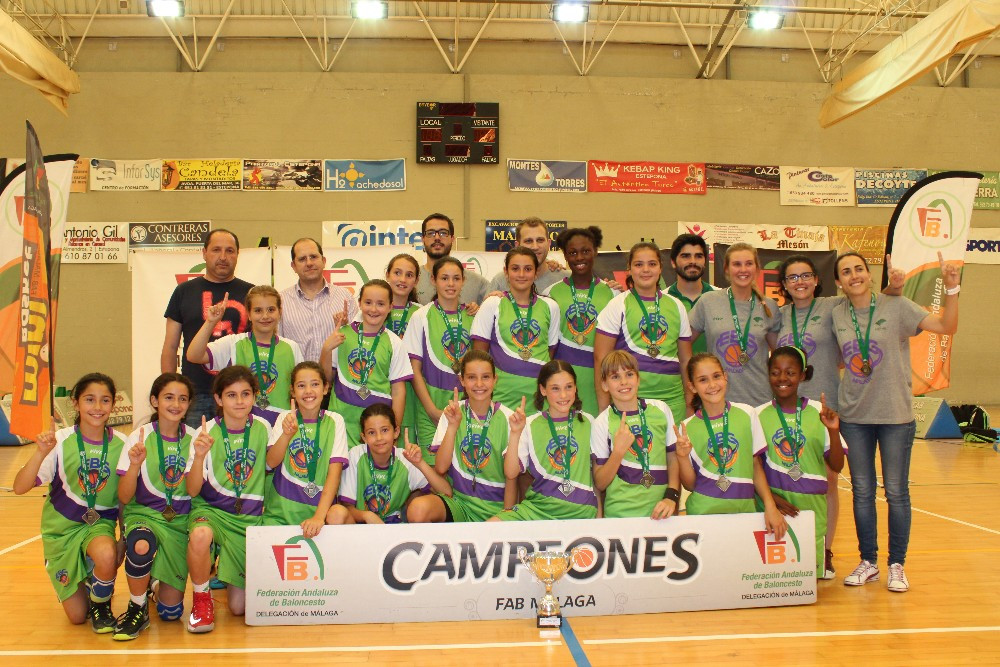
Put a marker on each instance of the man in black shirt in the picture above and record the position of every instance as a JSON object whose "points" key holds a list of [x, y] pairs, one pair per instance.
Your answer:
{"points": [[186, 310]]}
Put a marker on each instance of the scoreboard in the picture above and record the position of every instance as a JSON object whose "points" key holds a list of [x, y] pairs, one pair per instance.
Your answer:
{"points": [[458, 132]]}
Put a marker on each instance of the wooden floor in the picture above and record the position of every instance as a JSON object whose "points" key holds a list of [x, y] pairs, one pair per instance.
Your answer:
{"points": [[950, 616]]}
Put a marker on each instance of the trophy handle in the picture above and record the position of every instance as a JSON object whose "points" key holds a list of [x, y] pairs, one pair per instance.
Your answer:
{"points": [[522, 555], [572, 559]]}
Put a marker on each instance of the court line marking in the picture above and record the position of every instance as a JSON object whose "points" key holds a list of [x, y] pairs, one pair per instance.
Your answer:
{"points": [[20, 544], [937, 516], [573, 644], [794, 635], [283, 649]]}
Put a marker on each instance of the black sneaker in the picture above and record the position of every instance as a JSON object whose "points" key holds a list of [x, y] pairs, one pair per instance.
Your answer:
{"points": [[132, 622], [101, 618]]}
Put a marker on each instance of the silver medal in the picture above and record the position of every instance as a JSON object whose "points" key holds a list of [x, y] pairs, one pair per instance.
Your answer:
{"points": [[744, 358], [312, 489], [566, 488], [364, 392], [723, 483], [262, 401], [91, 516], [795, 472], [646, 480]]}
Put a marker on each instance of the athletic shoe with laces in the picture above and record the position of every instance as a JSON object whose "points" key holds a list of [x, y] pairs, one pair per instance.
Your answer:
{"points": [[864, 573], [202, 618], [828, 571], [132, 622], [897, 579], [101, 618]]}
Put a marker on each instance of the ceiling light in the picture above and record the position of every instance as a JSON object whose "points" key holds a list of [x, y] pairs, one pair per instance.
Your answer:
{"points": [[766, 20], [570, 12], [369, 9], [165, 8]]}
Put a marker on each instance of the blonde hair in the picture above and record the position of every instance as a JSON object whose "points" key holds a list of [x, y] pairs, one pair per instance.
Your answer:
{"points": [[738, 247], [618, 360], [262, 290]]}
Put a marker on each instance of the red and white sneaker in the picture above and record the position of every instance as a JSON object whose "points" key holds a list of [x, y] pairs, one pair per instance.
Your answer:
{"points": [[864, 573], [202, 618], [898, 582]]}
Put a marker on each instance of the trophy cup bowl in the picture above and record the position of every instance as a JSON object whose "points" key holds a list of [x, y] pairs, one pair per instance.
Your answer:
{"points": [[548, 567]]}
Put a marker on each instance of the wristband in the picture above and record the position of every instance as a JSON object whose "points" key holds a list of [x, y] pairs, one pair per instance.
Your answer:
{"points": [[952, 291], [672, 494]]}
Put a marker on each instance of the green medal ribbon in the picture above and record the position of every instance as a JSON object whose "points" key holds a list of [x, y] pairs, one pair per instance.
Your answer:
{"points": [[714, 448], [389, 472], [239, 481], [160, 450], [789, 435], [90, 490], [645, 445], [652, 328], [312, 453], [580, 307], [742, 334], [565, 449], [863, 345], [525, 321], [805, 323], [454, 338], [398, 327], [256, 361], [482, 443], [366, 368]]}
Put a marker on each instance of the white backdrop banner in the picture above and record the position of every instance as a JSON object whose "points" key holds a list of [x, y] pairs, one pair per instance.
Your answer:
{"points": [[817, 186], [155, 274], [983, 246], [470, 571], [369, 233], [774, 237]]}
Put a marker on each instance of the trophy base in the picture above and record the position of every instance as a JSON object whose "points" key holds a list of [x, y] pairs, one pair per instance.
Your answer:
{"points": [[552, 622]]}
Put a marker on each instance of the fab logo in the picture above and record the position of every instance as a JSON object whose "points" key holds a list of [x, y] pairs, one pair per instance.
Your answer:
{"points": [[937, 219], [775, 552], [298, 559]]}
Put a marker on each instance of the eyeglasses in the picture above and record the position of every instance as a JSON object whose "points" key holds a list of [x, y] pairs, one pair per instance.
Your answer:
{"points": [[796, 277], [437, 234]]}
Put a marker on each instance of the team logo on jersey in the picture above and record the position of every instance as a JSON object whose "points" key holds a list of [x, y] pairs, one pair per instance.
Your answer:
{"points": [[377, 498], [653, 333], [853, 361], [525, 332], [581, 318], [454, 352], [267, 376], [299, 451], [173, 471], [62, 576], [807, 340], [239, 470], [357, 361], [96, 475], [558, 451], [729, 451], [727, 348], [475, 452], [783, 448]]}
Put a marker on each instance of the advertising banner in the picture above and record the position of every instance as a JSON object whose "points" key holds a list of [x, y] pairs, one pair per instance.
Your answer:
{"points": [[817, 186], [743, 176], [500, 234], [471, 571], [884, 187], [125, 175], [776, 237], [770, 260], [291, 175], [685, 178], [933, 216], [95, 243], [216, 174], [983, 246], [368, 233], [546, 176], [867, 241], [162, 235], [988, 192], [81, 174], [364, 175]]}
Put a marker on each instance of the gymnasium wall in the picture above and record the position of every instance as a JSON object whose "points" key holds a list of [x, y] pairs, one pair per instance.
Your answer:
{"points": [[265, 99]]}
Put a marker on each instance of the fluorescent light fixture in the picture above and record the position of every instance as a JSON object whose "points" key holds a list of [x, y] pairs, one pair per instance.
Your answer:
{"points": [[165, 8], [369, 9], [766, 20], [570, 12]]}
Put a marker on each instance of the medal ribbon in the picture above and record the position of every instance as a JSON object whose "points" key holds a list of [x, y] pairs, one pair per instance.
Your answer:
{"points": [[863, 344], [398, 327], [482, 435], [580, 307], [643, 440], [743, 335], [652, 328], [312, 453], [525, 321], [90, 490], [569, 437], [795, 329], [714, 448], [239, 481], [366, 368], [389, 472], [792, 441], [160, 450], [256, 360], [455, 339]]}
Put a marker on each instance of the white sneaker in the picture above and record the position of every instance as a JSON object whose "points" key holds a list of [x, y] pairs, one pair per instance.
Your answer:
{"points": [[897, 579], [863, 573]]}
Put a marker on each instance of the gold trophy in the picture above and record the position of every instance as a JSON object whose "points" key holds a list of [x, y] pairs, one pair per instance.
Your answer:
{"points": [[548, 567]]}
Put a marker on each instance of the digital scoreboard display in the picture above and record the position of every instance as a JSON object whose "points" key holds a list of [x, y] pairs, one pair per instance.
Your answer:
{"points": [[458, 132]]}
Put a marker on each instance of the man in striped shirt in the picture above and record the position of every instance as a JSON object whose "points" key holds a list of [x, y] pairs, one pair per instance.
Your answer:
{"points": [[308, 306]]}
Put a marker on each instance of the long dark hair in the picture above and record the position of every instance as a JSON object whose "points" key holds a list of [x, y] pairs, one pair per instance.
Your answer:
{"points": [[440, 263], [377, 410], [783, 271], [412, 296], [161, 382], [546, 373], [230, 375], [86, 381], [526, 252], [694, 361], [642, 245]]}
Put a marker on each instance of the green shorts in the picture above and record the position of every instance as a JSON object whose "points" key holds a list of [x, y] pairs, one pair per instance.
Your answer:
{"points": [[229, 532], [816, 503], [170, 563], [528, 511], [465, 512], [66, 555]]}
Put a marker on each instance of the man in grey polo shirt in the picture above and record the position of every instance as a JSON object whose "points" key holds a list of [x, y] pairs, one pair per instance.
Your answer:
{"points": [[532, 233], [439, 235]]}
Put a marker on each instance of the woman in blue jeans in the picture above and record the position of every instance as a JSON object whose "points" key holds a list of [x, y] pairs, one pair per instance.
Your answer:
{"points": [[873, 333]]}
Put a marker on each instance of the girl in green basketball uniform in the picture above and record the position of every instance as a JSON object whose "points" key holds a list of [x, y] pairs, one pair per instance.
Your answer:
{"points": [[151, 488], [632, 442], [553, 447], [402, 273], [436, 341], [366, 362], [307, 452], [469, 444], [79, 515], [803, 441], [718, 450], [379, 482], [520, 329], [225, 479], [269, 358]]}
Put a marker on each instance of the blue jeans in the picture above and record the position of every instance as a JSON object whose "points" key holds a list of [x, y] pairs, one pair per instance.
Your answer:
{"points": [[202, 404], [895, 443]]}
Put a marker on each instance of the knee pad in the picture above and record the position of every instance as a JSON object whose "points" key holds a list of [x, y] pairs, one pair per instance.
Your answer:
{"points": [[139, 565], [170, 612]]}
